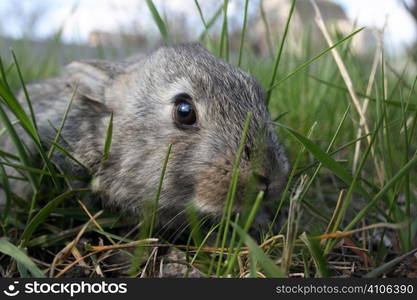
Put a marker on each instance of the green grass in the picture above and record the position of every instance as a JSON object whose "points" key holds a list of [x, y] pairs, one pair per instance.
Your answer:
{"points": [[328, 192]]}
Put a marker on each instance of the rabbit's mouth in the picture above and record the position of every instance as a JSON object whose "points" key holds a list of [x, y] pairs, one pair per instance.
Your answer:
{"points": [[213, 184]]}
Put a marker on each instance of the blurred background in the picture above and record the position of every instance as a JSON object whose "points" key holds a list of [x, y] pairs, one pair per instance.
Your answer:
{"points": [[121, 25]]}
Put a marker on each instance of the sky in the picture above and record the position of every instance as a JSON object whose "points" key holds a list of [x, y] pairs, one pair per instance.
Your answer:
{"points": [[400, 27], [79, 17]]}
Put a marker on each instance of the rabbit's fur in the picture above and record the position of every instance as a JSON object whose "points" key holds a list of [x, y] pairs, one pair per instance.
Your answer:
{"points": [[140, 93]]}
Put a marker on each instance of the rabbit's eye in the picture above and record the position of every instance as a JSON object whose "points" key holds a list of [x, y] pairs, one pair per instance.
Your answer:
{"points": [[184, 112]]}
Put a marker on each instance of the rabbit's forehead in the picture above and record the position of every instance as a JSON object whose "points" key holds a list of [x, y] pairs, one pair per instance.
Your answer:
{"points": [[178, 86], [216, 94]]}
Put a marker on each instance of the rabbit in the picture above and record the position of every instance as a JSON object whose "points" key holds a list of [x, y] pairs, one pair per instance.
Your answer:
{"points": [[180, 95]]}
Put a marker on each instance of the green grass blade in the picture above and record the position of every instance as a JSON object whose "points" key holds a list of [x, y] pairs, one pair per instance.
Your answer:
{"points": [[158, 20], [281, 48], [22, 82], [18, 111], [267, 264], [7, 193], [242, 35], [4, 130], [326, 160], [224, 36], [313, 245], [211, 22], [69, 155], [16, 253], [3, 77], [231, 195], [267, 28], [46, 157], [411, 106], [394, 180], [206, 26], [380, 270], [313, 59], [158, 193], [340, 213], [203, 242], [291, 177], [317, 170], [414, 122], [20, 148], [109, 137], [8, 155], [45, 212], [33, 171], [246, 227], [27, 124]]}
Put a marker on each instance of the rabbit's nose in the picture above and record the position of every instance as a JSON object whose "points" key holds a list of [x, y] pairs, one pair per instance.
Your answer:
{"points": [[262, 182]]}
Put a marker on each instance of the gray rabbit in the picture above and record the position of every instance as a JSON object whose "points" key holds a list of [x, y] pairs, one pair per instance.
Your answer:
{"points": [[180, 95]]}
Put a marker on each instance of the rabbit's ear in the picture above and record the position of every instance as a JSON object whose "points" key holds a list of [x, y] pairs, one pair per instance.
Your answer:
{"points": [[89, 78]]}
